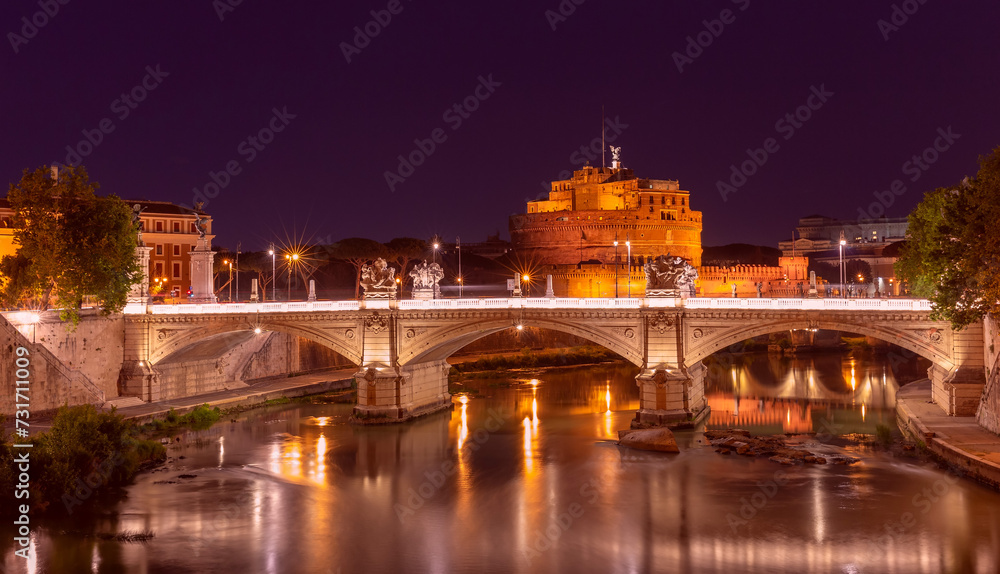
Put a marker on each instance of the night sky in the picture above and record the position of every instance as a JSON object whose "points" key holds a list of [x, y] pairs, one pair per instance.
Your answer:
{"points": [[214, 81]]}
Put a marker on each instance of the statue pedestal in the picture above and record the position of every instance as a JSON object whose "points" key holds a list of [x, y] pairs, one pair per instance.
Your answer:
{"points": [[654, 293], [380, 294], [140, 291], [202, 278]]}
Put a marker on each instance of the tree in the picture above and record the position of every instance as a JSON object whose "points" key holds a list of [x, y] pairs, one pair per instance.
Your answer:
{"points": [[404, 250], [71, 244], [952, 254], [826, 271], [357, 251]]}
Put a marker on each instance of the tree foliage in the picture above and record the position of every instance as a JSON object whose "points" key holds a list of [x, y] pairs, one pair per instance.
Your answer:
{"points": [[406, 250], [72, 244], [952, 255], [357, 251]]}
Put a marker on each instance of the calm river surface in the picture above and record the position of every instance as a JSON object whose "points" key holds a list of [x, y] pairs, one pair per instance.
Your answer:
{"points": [[525, 478]]}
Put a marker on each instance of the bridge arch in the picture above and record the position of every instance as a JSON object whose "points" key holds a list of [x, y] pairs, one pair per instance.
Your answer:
{"points": [[441, 343], [337, 340], [932, 343]]}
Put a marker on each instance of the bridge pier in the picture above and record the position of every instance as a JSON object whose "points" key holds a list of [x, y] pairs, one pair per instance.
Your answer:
{"points": [[387, 394], [670, 396]]}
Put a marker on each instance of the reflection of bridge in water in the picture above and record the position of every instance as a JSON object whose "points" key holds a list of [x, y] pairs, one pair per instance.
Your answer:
{"points": [[802, 390], [401, 347]]}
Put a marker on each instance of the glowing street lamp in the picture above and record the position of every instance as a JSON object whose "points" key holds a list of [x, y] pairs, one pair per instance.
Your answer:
{"points": [[270, 252], [526, 281], [434, 255], [843, 275], [291, 259], [628, 244], [458, 246], [230, 264]]}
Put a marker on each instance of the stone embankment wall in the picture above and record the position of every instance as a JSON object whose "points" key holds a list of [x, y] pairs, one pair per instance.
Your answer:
{"points": [[66, 367], [988, 413]]}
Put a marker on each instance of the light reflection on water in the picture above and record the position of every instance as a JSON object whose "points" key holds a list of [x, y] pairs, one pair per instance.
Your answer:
{"points": [[525, 479]]}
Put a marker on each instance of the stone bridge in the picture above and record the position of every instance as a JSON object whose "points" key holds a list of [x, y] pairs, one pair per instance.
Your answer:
{"points": [[401, 347]]}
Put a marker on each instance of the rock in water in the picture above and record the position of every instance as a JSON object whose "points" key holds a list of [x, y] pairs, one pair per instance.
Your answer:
{"points": [[658, 439]]}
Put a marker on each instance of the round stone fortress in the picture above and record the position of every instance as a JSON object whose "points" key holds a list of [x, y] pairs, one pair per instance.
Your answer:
{"points": [[585, 215]]}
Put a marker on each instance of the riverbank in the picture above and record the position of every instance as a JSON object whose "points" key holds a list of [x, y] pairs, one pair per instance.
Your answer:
{"points": [[244, 397], [967, 448]]}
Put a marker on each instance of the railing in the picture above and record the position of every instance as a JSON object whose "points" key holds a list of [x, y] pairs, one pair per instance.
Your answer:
{"points": [[780, 304]]}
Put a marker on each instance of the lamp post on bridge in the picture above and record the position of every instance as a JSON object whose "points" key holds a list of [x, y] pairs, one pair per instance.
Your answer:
{"points": [[461, 281], [628, 245], [617, 265], [843, 277], [274, 282]]}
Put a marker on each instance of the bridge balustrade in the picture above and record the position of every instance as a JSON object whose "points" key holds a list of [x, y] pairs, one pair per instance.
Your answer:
{"points": [[791, 303]]}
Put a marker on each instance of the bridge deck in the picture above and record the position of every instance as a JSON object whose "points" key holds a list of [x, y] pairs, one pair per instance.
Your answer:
{"points": [[778, 304]]}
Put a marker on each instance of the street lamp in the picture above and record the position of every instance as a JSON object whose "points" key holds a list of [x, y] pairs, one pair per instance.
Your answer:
{"points": [[527, 280], [628, 244], [227, 262], [616, 266], [458, 246], [273, 284], [434, 255], [843, 275]]}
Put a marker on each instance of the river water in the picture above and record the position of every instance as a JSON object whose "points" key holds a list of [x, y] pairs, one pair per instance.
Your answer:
{"points": [[523, 476]]}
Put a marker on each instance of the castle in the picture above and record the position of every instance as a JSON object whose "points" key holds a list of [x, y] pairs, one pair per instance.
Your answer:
{"points": [[596, 230], [584, 216]]}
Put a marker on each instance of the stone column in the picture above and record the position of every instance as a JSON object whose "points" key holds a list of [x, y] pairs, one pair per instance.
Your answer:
{"points": [[140, 291], [312, 290], [202, 278]]}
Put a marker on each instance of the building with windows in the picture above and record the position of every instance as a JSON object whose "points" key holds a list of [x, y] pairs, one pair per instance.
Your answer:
{"points": [[585, 231], [168, 229], [874, 241], [584, 216]]}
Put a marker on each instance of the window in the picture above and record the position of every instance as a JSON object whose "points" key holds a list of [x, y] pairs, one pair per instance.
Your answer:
{"points": [[663, 200], [177, 227], [159, 226], [159, 270], [177, 250], [177, 270], [663, 215], [193, 229], [159, 250]]}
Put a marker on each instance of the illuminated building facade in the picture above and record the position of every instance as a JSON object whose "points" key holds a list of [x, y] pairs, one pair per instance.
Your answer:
{"points": [[572, 235], [584, 216]]}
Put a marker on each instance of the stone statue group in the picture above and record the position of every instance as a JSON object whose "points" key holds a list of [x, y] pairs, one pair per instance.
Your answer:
{"points": [[379, 280], [668, 276]]}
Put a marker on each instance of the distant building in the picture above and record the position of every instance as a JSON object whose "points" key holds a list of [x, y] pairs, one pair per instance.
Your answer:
{"points": [[875, 241], [584, 216], [819, 233], [168, 229], [572, 233]]}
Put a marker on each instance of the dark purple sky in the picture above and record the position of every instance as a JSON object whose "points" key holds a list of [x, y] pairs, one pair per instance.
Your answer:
{"points": [[324, 174]]}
